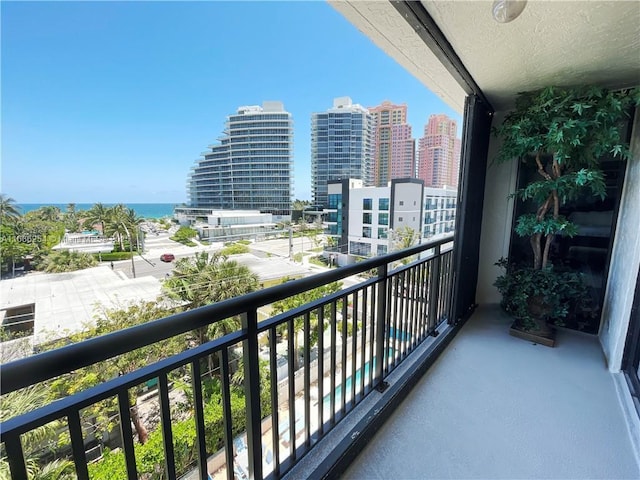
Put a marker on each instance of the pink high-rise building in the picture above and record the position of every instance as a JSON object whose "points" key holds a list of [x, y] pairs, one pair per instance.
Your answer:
{"points": [[394, 148], [439, 153]]}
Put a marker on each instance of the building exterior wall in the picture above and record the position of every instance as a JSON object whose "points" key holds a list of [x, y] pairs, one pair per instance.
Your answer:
{"points": [[406, 204], [369, 218], [439, 153], [394, 148], [341, 146], [376, 216], [497, 216], [625, 261], [439, 211], [251, 167]]}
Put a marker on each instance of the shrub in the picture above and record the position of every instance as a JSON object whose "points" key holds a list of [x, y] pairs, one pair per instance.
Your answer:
{"points": [[66, 261], [184, 235], [319, 260], [150, 456], [234, 249], [113, 256]]}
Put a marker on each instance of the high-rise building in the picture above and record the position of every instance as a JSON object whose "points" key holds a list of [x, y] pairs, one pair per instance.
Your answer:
{"points": [[439, 153], [394, 149], [251, 167], [341, 146]]}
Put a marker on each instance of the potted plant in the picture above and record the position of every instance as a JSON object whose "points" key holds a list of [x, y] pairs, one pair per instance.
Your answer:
{"points": [[563, 133]]}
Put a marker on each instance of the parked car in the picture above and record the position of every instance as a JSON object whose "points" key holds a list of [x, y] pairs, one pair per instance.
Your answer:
{"points": [[167, 257]]}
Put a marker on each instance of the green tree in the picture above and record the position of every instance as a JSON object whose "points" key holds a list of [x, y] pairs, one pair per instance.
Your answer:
{"points": [[403, 238], [206, 279], [34, 441], [562, 134], [71, 218], [122, 223], [40, 235], [298, 300], [97, 214], [47, 213], [58, 261], [107, 321], [9, 212], [184, 235], [11, 248], [300, 204]]}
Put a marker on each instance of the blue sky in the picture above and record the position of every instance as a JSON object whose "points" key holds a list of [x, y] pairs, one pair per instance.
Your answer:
{"points": [[114, 101]]}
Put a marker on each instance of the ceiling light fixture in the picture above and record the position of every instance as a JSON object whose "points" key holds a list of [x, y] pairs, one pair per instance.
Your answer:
{"points": [[504, 11]]}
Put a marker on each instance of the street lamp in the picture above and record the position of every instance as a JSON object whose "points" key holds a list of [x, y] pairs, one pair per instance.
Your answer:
{"points": [[133, 265]]}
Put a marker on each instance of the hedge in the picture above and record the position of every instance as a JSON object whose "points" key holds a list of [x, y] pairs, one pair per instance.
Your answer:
{"points": [[150, 456], [234, 249], [109, 257]]}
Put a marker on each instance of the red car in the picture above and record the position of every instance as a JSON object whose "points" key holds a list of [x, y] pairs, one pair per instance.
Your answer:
{"points": [[167, 257]]}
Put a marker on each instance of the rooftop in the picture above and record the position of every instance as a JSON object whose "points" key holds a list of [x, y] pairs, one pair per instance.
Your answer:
{"points": [[64, 302]]}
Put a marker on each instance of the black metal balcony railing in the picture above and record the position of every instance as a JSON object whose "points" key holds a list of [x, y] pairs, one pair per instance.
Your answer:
{"points": [[350, 341]]}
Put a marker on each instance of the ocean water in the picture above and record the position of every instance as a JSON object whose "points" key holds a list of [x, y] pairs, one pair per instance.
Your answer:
{"points": [[145, 210]]}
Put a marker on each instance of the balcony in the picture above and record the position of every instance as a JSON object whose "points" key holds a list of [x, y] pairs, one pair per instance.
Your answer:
{"points": [[493, 406], [338, 350]]}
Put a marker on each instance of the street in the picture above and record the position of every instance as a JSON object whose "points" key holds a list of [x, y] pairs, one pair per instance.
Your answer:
{"points": [[269, 259]]}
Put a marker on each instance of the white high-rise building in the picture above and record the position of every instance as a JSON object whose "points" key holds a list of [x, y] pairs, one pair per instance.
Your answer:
{"points": [[251, 167]]}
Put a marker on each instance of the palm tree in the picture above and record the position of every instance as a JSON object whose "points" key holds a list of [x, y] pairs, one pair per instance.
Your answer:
{"points": [[132, 220], [403, 238], [66, 261], [71, 218], [206, 279], [122, 222], [23, 401], [98, 213], [9, 212], [48, 213]]}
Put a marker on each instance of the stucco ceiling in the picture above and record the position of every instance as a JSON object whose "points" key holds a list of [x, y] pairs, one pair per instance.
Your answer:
{"points": [[550, 43]]}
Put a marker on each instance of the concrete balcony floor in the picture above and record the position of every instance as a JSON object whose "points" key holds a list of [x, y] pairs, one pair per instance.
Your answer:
{"points": [[497, 407]]}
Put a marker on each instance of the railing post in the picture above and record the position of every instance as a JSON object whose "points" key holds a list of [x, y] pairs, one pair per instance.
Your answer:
{"points": [[252, 392], [381, 318], [434, 287]]}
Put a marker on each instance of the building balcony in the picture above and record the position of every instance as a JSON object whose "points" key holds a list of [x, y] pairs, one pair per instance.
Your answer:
{"points": [[490, 406], [338, 349], [494, 406]]}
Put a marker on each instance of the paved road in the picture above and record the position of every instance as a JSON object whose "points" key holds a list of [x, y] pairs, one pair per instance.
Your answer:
{"points": [[268, 259]]}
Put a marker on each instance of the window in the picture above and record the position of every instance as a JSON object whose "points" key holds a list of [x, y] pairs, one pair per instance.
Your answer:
{"points": [[383, 219], [382, 233], [334, 200], [367, 204], [366, 232], [383, 204], [366, 218], [382, 249], [401, 202], [400, 219], [360, 248]]}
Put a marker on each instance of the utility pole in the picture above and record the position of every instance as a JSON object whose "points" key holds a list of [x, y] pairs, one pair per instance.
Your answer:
{"points": [[290, 243]]}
